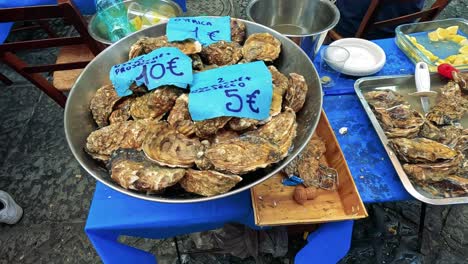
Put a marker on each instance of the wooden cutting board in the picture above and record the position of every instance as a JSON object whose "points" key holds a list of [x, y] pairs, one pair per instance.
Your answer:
{"points": [[273, 202]]}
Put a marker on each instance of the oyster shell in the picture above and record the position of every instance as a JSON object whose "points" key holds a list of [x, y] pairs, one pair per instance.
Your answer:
{"points": [[179, 117], [167, 147], [102, 103], [145, 45], [131, 170], [223, 135], [261, 46], [421, 150], [243, 154], [281, 131], [433, 171], [241, 124], [237, 31], [399, 121], [202, 162], [384, 99], [447, 135], [452, 186], [121, 111], [197, 63], [461, 79], [450, 106], [280, 81], [296, 92], [129, 134], [222, 53], [209, 127], [155, 104], [208, 182]]}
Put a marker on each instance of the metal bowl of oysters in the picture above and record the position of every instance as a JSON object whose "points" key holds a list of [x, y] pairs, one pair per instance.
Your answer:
{"points": [[159, 153]]}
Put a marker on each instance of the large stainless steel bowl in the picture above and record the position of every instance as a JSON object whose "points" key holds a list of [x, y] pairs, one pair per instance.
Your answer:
{"points": [[79, 122]]}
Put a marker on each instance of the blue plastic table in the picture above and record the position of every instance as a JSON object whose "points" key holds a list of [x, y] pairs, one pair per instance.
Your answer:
{"points": [[113, 214]]}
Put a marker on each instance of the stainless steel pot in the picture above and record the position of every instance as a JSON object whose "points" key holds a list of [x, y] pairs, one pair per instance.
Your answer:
{"points": [[79, 122], [306, 22]]}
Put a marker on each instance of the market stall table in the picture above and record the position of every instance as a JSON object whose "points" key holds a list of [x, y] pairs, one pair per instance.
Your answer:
{"points": [[113, 214]]}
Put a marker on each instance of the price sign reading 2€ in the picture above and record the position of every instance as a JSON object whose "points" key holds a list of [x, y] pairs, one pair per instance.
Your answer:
{"points": [[163, 66], [206, 30], [242, 90]]}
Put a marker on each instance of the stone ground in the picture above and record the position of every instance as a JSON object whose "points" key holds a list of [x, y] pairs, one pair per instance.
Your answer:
{"points": [[39, 171]]}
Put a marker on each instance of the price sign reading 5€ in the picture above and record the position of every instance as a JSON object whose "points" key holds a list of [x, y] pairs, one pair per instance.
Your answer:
{"points": [[242, 90], [163, 66]]}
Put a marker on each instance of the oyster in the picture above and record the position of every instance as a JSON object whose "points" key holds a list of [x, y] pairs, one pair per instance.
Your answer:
{"points": [[261, 46], [447, 135], [450, 106], [131, 170], [281, 131], [296, 92], [240, 124], [384, 99], [145, 45], [223, 135], [461, 79], [222, 53], [208, 182], [399, 121], [209, 127], [167, 147], [237, 31], [197, 63], [201, 161], [243, 154], [180, 118], [452, 186], [280, 81], [421, 150], [433, 171], [129, 134], [102, 103], [121, 111], [155, 104]]}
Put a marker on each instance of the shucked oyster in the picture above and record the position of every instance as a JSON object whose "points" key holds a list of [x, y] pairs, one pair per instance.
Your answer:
{"points": [[237, 31], [208, 182], [384, 99], [222, 53], [179, 117], [261, 46], [209, 127], [243, 154], [167, 147], [129, 134], [121, 111], [399, 121], [131, 170], [296, 92], [421, 150], [145, 45], [155, 104], [102, 103]]}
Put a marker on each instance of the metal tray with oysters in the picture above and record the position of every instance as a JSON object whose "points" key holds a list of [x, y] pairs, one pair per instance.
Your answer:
{"points": [[429, 149]]}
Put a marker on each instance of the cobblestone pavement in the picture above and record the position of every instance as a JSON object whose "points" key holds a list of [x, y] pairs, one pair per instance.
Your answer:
{"points": [[39, 171]]}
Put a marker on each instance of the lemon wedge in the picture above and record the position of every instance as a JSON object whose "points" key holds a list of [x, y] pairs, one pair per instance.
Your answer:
{"points": [[456, 38], [459, 61], [442, 33], [463, 50], [464, 43], [452, 30], [412, 39], [433, 36], [451, 58], [136, 22]]}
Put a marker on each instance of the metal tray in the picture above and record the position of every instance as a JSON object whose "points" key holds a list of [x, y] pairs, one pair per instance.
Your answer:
{"points": [[404, 84]]}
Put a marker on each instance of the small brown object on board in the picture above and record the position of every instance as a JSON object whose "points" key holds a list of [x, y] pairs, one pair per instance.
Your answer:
{"points": [[342, 204], [302, 194]]}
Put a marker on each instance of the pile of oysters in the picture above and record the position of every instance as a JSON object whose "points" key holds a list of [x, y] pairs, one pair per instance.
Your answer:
{"points": [[149, 142], [433, 148]]}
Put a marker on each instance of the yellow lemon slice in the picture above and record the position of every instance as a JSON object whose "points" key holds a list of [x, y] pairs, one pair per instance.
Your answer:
{"points": [[441, 61], [136, 22], [456, 38], [433, 36], [442, 33], [463, 50], [464, 42], [458, 61], [451, 58], [412, 39], [452, 30]]}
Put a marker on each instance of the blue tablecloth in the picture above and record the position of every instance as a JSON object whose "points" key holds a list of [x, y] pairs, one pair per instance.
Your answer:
{"points": [[113, 214]]}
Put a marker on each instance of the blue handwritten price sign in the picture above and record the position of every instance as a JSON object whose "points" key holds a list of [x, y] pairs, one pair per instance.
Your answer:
{"points": [[242, 90], [206, 30], [163, 66]]}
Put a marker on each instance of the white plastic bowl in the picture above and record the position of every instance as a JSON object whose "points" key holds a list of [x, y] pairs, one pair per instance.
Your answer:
{"points": [[366, 58]]}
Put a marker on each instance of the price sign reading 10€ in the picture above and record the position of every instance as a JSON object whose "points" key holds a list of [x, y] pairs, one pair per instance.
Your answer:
{"points": [[242, 90]]}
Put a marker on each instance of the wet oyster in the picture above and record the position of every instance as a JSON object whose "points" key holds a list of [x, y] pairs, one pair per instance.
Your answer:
{"points": [[167, 147], [384, 99], [296, 92], [208, 182], [129, 134], [155, 104], [237, 31], [222, 53], [121, 111], [102, 103], [209, 127], [243, 154], [281, 131], [399, 121], [421, 150], [241, 124], [433, 171], [131, 170], [145, 45], [179, 117], [261, 46]]}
